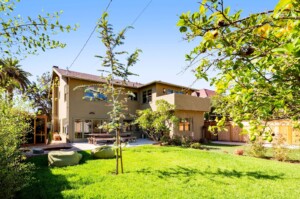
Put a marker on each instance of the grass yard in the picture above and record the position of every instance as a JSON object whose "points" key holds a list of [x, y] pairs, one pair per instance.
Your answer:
{"points": [[293, 154], [167, 172]]}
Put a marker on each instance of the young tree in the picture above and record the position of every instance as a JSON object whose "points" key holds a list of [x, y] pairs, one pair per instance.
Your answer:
{"points": [[38, 93], [14, 173], [117, 96], [256, 57], [157, 123], [22, 36]]}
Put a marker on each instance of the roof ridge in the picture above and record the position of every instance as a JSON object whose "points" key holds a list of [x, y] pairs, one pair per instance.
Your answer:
{"points": [[92, 77]]}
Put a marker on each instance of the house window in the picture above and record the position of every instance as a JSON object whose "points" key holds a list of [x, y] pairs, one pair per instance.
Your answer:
{"points": [[133, 97], [78, 129], [87, 128], [83, 128], [170, 91], [147, 96], [179, 92], [185, 124], [65, 92], [96, 126], [91, 94]]}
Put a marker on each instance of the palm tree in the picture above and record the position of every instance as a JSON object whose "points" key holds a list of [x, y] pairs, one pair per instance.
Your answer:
{"points": [[12, 76]]}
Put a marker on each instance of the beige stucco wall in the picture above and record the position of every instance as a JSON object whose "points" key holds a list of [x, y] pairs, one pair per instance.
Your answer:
{"points": [[197, 124], [160, 89], [82, 109], [187, 102], [55, 104], [63, 103]]}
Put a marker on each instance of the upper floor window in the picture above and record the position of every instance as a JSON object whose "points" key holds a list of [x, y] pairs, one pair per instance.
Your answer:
{"points": [[133, 97], [170, 91], [147, 96], [91, 94]]}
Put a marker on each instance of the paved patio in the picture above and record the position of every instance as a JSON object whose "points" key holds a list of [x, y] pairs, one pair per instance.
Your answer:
{"points": [[77, 146]]}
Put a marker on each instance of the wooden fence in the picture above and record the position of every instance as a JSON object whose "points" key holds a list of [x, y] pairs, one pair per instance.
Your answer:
{"points": [[233, 133]]}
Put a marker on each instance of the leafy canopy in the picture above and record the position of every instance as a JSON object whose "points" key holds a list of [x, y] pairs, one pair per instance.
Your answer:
{"points": [[157, 123], [26, 35], [13, 77], [38, 93], [256, 57], [14, 121]]}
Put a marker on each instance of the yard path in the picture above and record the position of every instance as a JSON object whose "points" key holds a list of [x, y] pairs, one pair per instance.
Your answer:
{"points": [[78, 146]]}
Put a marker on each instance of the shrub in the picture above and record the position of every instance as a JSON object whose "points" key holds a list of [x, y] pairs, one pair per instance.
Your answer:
{"points": [[14, 173], [196, 145], [165, 139], [186, 141], [257, 149], [280, 152], [176, 141]]}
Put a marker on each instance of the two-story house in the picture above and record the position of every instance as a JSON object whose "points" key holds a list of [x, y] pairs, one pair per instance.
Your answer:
{"points": [[74, 117]]}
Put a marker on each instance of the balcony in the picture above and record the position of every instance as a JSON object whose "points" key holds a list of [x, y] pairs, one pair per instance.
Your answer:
{"points": [[187, 102]]}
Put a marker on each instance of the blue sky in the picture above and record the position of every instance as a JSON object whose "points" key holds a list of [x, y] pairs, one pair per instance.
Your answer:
{"points": [[155, 33]]}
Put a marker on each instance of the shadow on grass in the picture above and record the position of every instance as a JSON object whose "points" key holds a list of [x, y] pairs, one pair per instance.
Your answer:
{"points": [[85, 156], [187, 172], [46, 184]]}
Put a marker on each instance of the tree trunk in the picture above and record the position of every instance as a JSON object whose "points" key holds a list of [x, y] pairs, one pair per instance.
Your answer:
{"points": [[119, 156]]}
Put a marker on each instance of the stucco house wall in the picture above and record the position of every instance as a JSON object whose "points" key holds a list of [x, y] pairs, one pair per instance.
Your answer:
{"points": [[69, 107]]}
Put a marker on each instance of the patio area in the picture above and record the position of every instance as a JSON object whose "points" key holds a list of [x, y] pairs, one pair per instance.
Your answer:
{"points": [[79, 146]]}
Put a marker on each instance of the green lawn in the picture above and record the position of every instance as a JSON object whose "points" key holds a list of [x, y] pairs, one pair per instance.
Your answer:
{"points": [[293, 154], [167, 172]]}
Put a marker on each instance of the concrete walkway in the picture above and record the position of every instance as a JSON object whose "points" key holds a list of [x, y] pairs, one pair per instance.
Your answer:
{"points": [[87, 146], [76, 146]]}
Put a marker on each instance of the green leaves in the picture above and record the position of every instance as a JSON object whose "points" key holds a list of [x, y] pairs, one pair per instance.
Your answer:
{"points": [[20, 37], [158, 122], [257, 58], [281, 6]]}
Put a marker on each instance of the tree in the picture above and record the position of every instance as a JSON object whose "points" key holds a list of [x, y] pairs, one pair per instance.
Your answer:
{"points": [[157, 123], [14, 173], [12, 77], [21, 36], [38, 93], [117, 96], [256, 57]]}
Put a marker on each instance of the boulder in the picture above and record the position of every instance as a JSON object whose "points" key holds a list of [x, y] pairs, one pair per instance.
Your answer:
{"points": [[103, 152], [63, 158]]}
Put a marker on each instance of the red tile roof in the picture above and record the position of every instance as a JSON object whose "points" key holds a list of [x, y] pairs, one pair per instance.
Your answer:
{"points": [[204, 93]]}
